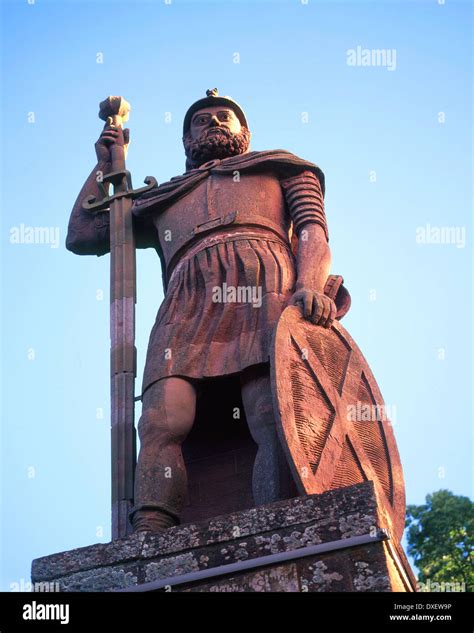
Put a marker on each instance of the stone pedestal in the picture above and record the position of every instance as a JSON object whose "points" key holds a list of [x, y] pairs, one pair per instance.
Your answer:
{"points": [[334, 541]]}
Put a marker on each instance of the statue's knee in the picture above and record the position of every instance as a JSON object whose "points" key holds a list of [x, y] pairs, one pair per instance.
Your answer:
{"points": [[257, 397], [150, 423], [166, 426], [261, 421], [178, 424], [262, 410]]}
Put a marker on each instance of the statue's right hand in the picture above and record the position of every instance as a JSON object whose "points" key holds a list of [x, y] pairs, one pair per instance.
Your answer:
{"points": [[111, 135]]}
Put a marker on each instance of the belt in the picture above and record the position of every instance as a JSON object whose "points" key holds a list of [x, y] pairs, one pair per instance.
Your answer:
{"points": [[230, 235]]}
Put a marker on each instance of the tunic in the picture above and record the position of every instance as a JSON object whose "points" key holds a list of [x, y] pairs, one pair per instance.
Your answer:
{"points": [[229, 267]]}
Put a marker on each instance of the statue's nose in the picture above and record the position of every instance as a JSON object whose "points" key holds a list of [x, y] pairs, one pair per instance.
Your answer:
{"points": [[215, 121]]}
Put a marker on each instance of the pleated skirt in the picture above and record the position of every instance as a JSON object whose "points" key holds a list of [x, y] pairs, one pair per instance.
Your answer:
{"points": [[205, 329]]}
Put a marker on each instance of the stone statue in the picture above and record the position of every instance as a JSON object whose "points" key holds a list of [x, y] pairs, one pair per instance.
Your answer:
{"points": [[242, 236]]}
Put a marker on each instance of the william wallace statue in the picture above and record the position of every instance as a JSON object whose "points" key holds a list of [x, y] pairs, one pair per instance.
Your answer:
{"points": [[241, 236]]}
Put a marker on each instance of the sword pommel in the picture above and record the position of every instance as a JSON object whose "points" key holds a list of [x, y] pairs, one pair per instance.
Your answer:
{"points": [[116, 108]]}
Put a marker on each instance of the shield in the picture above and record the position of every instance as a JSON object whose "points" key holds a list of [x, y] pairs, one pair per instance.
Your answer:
{"points": [[330, 414]]}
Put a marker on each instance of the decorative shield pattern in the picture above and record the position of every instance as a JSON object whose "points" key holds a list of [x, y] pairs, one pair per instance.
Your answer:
{"points": [[330, 414]]}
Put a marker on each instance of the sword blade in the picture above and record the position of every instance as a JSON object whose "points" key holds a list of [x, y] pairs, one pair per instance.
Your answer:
{"points": [[122, 363]]}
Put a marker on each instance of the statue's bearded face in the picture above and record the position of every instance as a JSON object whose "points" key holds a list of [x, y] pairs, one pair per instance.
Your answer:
{"points": [[215, 132]]}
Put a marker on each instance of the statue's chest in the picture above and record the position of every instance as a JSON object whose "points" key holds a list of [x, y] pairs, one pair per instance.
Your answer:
{"points": [[218, 202]]}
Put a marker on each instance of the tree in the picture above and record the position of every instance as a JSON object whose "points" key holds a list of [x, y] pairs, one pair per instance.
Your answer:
{"points": [[441, 539]]}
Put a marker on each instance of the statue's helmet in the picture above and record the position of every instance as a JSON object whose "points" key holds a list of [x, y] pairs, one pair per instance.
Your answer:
{"points": [[213, 99]]}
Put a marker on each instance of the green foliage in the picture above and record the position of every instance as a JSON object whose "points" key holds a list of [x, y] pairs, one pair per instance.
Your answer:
{"points": [[441, 538]]}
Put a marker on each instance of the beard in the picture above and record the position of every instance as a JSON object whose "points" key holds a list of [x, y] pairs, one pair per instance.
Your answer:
{"points": [[215, 145]]}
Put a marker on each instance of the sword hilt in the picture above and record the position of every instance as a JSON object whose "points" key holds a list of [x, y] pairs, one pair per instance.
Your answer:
{"points": [[90, 203], [115, 112]]}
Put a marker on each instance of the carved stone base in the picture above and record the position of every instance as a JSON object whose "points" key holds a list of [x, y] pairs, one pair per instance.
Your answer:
{"points": [[328, 542]]}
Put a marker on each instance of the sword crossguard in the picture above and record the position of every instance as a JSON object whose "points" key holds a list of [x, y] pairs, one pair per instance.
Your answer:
{"points": [[91, 203]]}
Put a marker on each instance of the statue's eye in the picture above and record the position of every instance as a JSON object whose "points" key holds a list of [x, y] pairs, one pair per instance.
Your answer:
{"points": [[225, 116]]}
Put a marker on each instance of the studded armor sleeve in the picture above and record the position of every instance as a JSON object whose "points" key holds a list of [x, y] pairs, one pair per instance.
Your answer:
{"points": [[305, 201]]}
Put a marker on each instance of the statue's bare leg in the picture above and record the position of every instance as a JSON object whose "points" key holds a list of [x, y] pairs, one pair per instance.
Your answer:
{"points": [[169, 409], [272, 479]]}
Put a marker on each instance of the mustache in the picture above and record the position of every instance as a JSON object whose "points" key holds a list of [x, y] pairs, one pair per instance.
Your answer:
{"points": [[221, 137], [222, 130]]}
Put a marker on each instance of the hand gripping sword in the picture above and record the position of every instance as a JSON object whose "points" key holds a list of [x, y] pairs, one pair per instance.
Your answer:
{"points": [[115, 111]]}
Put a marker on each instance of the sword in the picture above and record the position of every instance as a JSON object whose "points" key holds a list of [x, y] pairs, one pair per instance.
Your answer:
{"points": [[123, 353]]}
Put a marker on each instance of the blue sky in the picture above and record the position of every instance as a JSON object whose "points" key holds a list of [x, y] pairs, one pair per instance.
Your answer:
{"points": [[393, 165]]}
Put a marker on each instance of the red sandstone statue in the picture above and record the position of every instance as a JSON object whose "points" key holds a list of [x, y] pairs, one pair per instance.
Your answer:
{"points": [[241, 236]]}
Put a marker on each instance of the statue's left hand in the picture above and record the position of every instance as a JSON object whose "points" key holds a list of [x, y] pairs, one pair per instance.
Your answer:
{"points": [[315, 306]]}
